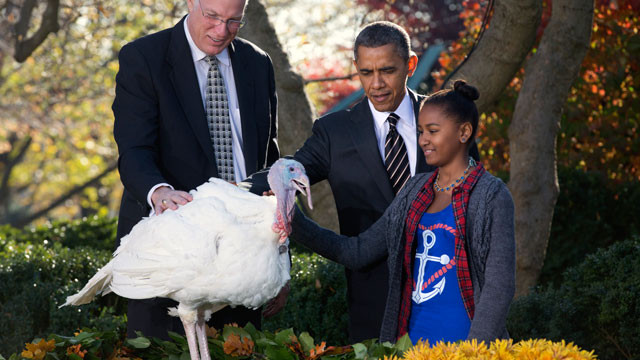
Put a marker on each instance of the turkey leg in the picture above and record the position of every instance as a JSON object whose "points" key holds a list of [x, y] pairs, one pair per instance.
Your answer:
{"points": [[190, 331], [203, 343]]}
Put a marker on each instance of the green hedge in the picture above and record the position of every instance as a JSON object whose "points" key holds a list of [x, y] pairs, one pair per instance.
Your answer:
{"points": [[36, 278], [591, 213], [317, 302], [96, 232], [597, 305]]}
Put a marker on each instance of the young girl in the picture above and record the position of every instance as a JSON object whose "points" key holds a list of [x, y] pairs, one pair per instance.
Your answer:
{"points": [[448, 236]]}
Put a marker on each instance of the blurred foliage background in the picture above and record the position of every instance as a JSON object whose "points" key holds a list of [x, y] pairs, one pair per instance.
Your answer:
{"points": [[57, 154]]}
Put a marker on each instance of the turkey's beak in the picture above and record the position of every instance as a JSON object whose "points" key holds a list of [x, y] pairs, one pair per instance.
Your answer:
{"points": [[302, 184]]}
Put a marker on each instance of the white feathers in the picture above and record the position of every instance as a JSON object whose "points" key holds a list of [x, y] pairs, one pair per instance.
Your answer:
{"points": [[217, 250]]}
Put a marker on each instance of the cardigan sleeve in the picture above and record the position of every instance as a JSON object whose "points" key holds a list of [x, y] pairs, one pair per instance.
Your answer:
{"points": [[369, 247], [354, 252], [492, 306]]}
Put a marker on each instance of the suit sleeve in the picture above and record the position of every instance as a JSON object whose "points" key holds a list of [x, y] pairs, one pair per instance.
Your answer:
{"points": [[315, 154], [493, 304], [135, 110]]}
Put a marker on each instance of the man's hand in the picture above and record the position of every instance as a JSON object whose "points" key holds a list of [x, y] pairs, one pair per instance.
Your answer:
{"points": [[268, 193], [277, 303], [164, 198]]}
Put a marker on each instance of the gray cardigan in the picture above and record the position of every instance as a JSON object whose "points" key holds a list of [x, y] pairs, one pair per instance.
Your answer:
{"points": [[490, 246]]}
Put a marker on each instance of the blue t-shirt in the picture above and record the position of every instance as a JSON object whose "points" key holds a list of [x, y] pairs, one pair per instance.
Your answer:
{"points": [[437, 309]]}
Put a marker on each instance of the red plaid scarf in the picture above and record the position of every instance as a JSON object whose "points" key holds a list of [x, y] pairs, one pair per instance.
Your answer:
{"points": [[460, 201]]}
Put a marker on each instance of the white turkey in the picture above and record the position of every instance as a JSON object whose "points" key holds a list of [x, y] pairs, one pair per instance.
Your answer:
{"points": [[226, 247]]}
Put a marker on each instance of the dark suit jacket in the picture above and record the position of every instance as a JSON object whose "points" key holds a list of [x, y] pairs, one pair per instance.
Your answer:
{"points": [[343, 149], [160, 122]]}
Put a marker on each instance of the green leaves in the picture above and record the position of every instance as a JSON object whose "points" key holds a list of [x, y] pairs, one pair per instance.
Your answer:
{"points": [[91, 344], [284, 337], [360, 351], [139, 342], [306, 341], [404, 343]]}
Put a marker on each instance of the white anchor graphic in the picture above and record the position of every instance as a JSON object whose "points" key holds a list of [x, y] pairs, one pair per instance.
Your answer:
{"points": [[429, 240]]}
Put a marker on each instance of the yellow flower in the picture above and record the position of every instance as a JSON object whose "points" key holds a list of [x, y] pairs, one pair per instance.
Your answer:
{"points": [[538, 349], [502, 350], [418, 352], [472, 349], [39, 350]]}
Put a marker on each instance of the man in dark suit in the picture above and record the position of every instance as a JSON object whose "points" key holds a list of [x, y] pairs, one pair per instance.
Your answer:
{"points": [[192, 102], [353, 150], [347, 148]]}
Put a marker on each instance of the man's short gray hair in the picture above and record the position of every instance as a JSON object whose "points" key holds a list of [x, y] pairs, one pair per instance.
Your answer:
{"points": [[381, 33]]}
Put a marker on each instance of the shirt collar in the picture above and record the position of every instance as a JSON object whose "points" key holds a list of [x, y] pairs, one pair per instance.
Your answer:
{"points": [[404, 110], [198, 55]]}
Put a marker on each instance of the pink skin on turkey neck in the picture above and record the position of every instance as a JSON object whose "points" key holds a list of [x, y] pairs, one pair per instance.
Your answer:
{"points": [[285, 192]]}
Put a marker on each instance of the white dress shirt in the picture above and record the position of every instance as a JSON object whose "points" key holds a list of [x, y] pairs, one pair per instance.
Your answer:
{"points": [[226, 69], [406, 127]]}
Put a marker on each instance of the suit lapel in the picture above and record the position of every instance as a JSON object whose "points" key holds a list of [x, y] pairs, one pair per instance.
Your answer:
{"points": [[364, 138], [185, 81], [244, 80]]}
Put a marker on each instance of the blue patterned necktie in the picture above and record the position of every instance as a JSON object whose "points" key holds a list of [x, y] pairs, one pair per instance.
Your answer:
{"points": [[219, 121], [395, 156]]}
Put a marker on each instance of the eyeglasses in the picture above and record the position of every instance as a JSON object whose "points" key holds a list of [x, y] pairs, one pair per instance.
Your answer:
{"points": [[232, 25]]}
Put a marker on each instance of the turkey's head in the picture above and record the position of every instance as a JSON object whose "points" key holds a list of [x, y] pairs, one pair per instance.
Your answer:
{"points": [[286, 177]]}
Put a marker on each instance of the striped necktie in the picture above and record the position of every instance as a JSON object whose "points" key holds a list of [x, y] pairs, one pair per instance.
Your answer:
{"points": [[218, 120], [395, 156]]}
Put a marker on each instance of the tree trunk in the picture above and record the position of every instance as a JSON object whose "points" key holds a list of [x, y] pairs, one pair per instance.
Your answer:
{"points": [[532, 134], [295, 113], [502, 49]]}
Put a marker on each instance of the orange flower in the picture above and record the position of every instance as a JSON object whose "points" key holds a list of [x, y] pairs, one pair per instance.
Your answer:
{"points": [[39, 350], [75, 349], [211, 332], [236, 347]]}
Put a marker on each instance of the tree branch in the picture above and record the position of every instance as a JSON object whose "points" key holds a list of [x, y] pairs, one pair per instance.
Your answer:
{"points": [[333, 78], [615, 343], [21, 222], [502, 49], [49, 24]]}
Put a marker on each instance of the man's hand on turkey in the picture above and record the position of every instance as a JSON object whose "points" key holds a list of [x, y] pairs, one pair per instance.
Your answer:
{"points": [[164, 198]]}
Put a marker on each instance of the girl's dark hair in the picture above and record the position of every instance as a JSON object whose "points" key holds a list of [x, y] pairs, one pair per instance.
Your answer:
{"points": [[458, 103]]}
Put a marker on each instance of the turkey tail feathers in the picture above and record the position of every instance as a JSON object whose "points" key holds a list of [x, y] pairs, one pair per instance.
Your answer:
{"points": [[98, 284]]}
